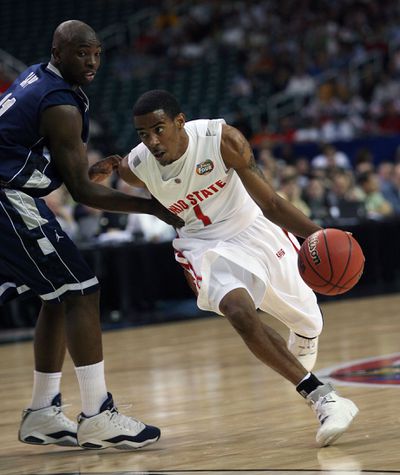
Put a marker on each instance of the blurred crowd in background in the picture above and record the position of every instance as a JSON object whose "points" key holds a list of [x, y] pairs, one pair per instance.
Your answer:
{"points": [[335, 62], [340, 59]]}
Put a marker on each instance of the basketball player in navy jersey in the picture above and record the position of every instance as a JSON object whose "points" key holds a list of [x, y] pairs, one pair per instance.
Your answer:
{"points": [[43, 131], [236, 246]]}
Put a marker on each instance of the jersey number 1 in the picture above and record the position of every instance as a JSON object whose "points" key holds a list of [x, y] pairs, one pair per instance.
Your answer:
{"points": [[199, 214]]}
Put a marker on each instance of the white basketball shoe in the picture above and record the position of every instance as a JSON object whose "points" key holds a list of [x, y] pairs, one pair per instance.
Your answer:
{"points": [[335, 413], [47, 426], [304, 349], [109, 428]]}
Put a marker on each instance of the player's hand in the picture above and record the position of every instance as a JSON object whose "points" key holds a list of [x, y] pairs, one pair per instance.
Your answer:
{"points": [[102, 169], [165, 215]]}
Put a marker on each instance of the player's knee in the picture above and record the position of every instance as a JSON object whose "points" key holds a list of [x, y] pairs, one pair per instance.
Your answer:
{"points": [[242, 317]]}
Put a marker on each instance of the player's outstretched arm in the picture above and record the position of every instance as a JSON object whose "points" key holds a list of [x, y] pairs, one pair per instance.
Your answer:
{"points": [[62, 126], [103, 168], [237, 154]]}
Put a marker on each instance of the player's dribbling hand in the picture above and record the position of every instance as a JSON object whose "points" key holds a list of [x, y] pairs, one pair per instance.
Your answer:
{"points": [[102, 169]]}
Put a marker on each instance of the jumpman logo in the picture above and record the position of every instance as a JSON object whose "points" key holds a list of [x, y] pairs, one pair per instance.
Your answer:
{"points": [[58, 237]]}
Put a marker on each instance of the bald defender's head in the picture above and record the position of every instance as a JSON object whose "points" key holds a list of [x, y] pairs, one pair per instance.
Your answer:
{"points": [[76, 52]]}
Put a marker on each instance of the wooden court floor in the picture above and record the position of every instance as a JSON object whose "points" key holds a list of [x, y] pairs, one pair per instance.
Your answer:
{"points": [[220, 410]]}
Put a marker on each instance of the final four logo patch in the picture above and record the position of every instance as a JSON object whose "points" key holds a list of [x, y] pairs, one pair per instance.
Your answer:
{"points": [[377, 371], [204, 167]]}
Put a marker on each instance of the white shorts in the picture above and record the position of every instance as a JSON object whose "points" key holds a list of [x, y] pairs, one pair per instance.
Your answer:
{"points": [[261, 259]]}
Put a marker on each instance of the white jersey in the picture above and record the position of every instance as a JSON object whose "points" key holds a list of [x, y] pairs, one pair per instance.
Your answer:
{"points": [[198, 186], [226, 242]]}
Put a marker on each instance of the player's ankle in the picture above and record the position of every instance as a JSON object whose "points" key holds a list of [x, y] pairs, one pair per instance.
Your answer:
{"points": [[308, 384]]}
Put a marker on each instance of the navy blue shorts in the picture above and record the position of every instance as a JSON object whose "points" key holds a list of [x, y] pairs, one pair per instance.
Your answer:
{"points": [[36, 255]]}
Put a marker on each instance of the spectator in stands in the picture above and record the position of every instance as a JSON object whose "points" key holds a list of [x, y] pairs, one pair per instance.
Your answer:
{"points": [[342, 197], [336, 127], [386, 90], [330, 159], [385, 171], [363, 161], [391, 191], [300, 83], [291, 191], [308, 130], [376, 205], [303, 169], [269, 163], [315, 197], [325, 103]]}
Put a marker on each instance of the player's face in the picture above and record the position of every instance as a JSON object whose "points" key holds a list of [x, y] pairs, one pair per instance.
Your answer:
{"points": [[163, 136], [79, 60]]}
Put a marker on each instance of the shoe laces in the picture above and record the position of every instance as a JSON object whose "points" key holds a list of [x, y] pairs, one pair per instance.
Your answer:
{"points": [[61, 417], [307, 343], [125, 422], [321, 406], [310, 343]]}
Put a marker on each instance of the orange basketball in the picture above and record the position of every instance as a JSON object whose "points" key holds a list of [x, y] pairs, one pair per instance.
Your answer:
{"points": [[331, 261]]}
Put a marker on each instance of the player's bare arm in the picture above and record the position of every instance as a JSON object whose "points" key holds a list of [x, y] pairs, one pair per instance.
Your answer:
{"points": [[102, 169], [62, 126], [237, 154], [127, 174]]}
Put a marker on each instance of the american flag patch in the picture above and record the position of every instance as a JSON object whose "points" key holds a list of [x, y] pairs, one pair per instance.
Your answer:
{"points": [[136, 161], [280, 253]]}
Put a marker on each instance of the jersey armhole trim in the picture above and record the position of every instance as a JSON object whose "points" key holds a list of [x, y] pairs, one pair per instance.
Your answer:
{"points": [[217, 146]]}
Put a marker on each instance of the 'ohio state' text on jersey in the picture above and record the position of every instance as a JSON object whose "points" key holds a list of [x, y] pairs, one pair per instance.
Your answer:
{"points": [[210, 199]]}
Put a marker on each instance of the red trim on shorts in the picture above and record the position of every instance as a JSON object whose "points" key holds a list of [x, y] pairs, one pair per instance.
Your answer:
{"points": [[189, 268]]}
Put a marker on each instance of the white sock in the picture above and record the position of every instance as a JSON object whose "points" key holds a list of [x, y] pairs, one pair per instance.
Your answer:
{"points": [[92, 386], [45, 387]]}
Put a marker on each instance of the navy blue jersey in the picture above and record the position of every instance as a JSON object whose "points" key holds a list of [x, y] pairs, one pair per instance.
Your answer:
{"points": [[36, 256], [25, 161]]}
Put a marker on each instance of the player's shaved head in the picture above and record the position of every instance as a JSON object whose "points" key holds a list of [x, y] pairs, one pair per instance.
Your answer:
{"points": [[76, 52], [71, 31]]}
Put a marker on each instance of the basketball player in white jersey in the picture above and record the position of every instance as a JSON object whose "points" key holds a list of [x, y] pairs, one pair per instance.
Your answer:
{"points": [[236, 246]]}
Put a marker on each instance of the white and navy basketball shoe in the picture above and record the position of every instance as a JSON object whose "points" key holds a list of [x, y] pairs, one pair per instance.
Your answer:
{"points": [[335, 413], [304, 349], [48, 425], [109, 428]]}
